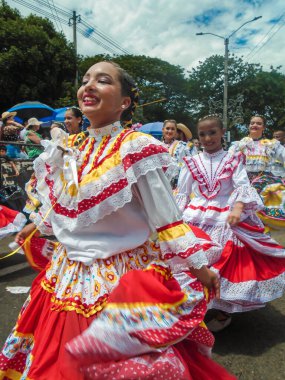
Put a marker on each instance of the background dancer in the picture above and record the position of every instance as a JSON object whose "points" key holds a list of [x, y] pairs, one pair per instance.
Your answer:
{"points": [[251, 265], [261, 156]]}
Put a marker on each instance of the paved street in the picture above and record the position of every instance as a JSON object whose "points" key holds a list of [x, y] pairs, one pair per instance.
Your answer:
{"points": [[253, 347]]}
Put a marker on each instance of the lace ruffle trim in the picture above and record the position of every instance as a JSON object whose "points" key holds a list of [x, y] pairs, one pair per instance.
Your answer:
{"points": [[186, 247], [247, 195], [228, 168]]}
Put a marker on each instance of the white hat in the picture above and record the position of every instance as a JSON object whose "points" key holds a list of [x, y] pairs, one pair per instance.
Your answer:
{"points": [[185, 130], [7, 114], [33, 121]]}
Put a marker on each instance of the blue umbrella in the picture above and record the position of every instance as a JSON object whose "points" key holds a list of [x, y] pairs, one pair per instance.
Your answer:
{"points": [[27, 110], [154, 129], [60, 114]]}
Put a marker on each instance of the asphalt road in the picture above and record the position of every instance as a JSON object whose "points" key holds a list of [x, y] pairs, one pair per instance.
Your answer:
{"points": [[252, 347]]}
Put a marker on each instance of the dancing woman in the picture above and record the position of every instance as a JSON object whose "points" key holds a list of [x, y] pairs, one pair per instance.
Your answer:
{"points": [[261, 155], [102, 199], [250, 264], [177, 149]]}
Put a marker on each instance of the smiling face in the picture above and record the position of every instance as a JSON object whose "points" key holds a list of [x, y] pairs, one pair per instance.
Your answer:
{"points": [[72, 123], [169, 131], [256, 127], [280, 136], [100, 96], [210, 135]]}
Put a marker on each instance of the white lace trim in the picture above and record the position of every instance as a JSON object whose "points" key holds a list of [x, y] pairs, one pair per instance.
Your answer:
{"points": [[43, 227], [182, 201], [182, 247], [154, 161], [16, 225], [247, 195], [250, 294], [113, 202]]}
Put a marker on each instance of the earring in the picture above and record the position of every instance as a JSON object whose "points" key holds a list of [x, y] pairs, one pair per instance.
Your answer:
{"points": [[123, 107]]}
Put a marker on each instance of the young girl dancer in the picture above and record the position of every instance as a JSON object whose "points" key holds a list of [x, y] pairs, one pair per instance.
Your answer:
{"points": [[102, 199], [250, 264]]}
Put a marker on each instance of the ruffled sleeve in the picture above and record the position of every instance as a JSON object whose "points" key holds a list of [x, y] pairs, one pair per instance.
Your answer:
{"points": [[234, 147], [174, 237], [243, 191], [184, 188], [280, 153], [38, 188]]}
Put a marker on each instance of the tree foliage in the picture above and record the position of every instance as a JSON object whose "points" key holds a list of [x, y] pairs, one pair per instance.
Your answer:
{"points": [[36, 62], [262, 91]]}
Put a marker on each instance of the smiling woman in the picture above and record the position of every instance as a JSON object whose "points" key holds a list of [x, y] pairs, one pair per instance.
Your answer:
{"points": [[110, 303], [262, 155], [73, 120]]}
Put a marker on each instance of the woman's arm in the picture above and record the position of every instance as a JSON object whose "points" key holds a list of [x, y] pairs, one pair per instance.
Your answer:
{"points": [[244, 198], [14, 167], [175, 238], [33, 137], [184, 188]]}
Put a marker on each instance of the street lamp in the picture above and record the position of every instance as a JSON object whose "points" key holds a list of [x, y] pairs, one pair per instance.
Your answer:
{"points": [[226, 61]]}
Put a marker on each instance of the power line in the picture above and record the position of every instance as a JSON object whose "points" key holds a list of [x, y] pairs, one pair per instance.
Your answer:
{"points": [[108, 43], [57, 16], [259, 45], [39, 10], [56, 21]]}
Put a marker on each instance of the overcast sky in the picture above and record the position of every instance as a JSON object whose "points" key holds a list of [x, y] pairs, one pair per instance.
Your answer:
{"points": [[167, 28]]}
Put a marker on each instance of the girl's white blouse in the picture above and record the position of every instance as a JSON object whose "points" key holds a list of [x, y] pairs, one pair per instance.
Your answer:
{"points": [[214, 182]]}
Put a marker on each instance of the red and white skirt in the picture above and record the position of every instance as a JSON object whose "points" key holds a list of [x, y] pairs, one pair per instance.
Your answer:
{"points": [[250, 264], [11, 221], [145, 321]]}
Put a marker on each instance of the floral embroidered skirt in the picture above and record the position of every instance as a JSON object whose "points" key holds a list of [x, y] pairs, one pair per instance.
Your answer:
{"points": [[140, 321], [272, 192]]}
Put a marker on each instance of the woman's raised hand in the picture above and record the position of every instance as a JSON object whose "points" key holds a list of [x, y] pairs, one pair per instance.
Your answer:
{"points": [[25, 232]]}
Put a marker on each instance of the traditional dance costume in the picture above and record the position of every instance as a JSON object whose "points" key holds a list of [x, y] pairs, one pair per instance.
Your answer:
{"points": [[102, 199], [177, 150], [251, 265], [262, 166], [11, 221]]}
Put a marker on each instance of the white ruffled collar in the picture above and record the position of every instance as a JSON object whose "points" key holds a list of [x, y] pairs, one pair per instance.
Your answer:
{"points": [[213, 155], [109, 130]]}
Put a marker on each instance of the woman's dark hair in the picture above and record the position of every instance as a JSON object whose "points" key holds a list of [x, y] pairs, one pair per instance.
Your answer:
{"points": [[129, 88], [59, 125], [219, 122], [212, 117], [261, 117], [170, 121], [76, 112]]}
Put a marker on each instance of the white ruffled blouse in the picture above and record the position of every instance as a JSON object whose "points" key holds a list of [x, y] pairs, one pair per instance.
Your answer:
{"points": [[108, 195], [261, 155], [215, 183]]}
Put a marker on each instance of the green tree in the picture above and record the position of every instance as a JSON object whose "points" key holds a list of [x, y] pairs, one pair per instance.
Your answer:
{"points": [[36, 62], [263, 91]]}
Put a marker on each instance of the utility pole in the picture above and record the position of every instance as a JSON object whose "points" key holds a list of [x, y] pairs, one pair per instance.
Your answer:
{"points": [[73, 21], [226, 71], [226, 79]]}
